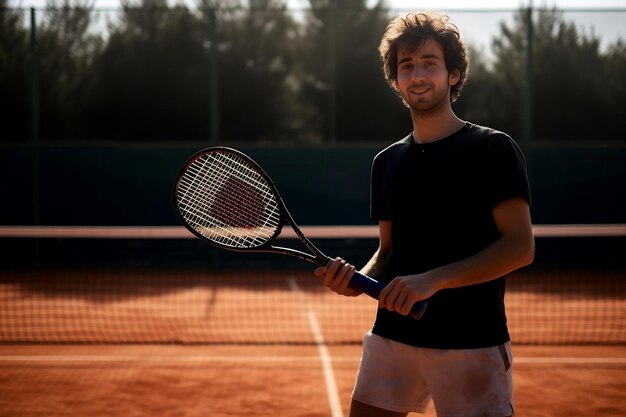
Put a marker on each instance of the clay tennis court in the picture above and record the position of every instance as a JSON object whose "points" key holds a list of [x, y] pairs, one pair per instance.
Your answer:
{"points": [[200, 343]]}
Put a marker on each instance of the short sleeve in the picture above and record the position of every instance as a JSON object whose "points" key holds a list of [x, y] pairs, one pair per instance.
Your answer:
{"points": [[508, 173], [379, 209]]}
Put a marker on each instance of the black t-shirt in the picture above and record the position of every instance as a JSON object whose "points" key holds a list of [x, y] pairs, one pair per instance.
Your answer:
{"points": [[439, 197]]}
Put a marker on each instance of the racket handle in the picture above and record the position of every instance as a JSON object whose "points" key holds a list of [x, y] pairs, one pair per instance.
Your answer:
{"points": [[373, 288]]}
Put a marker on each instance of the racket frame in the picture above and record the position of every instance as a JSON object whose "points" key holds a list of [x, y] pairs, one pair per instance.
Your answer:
{"points": [[316, 256]]}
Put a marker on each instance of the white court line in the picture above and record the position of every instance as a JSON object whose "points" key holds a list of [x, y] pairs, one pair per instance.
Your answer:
{"points": [[317, 232], [168, 358], [569, 361], [164, 359], [327, 366]]}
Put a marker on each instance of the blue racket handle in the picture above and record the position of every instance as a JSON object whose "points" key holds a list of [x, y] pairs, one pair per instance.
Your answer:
{"points": [[373, 288]]}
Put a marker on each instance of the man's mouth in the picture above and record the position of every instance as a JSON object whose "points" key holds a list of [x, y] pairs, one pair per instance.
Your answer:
{"points": [[420, 90]]}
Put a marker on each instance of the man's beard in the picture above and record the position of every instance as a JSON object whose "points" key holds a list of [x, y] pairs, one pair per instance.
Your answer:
{"points": [[433, 106]]}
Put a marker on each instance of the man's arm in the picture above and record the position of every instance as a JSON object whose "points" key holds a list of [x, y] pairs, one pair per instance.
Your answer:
{"points": [[513, 250], [337, 275], [376, 267]]}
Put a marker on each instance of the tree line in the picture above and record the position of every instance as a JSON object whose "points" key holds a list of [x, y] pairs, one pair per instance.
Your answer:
{"points": [[265, 73]]}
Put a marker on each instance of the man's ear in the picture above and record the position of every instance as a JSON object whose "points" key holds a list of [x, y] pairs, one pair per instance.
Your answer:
{"points": [[455, 76]]}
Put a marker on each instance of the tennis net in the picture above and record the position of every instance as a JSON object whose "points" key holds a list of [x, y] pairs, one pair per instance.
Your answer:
{"points": [[132, 285]]}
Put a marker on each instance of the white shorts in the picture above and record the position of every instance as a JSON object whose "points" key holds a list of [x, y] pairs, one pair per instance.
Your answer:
{"points": [[462, 382]]}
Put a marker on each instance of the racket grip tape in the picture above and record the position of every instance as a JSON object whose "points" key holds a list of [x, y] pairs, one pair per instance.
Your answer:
{"points": [[373, 288]]}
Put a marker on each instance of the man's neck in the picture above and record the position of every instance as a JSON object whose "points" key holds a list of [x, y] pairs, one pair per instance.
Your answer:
{"points": [[434, 126]]}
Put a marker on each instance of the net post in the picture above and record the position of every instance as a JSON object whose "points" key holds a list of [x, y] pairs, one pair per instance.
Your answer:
{"points": [[527, 95], [34, 126], [332, 64], [34, 111], [213, 79]]}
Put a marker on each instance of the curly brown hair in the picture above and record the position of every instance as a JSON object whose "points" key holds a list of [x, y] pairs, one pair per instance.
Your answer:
{"points": [[413, 30]]}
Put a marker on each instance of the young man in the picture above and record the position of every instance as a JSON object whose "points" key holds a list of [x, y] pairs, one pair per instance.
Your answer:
{"points": [[452, 201]]}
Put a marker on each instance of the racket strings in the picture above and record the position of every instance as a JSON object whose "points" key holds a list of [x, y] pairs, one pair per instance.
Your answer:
{"points": [[231, 208], [201, 204], [220, 216], [238, 168], [226, 200]]}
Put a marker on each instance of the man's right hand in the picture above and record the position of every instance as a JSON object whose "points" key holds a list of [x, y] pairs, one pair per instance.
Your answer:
{"points": [[337, 275]]}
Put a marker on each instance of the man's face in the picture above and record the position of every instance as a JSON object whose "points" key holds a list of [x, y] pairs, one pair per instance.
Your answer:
{"points": [[423, 80]]}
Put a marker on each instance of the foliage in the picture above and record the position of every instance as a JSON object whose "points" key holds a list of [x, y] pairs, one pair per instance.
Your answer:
{"points": [[570, 96], [15, 77], [149, 77], [281, 76], [66, 49]]}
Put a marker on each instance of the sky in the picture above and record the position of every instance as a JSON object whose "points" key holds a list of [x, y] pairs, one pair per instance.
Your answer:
{"points": [[421, 4], [498, 4], [476, 28]]}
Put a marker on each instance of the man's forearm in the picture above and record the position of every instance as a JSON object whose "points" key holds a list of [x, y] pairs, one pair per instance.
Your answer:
{"points": [[500, 258]]}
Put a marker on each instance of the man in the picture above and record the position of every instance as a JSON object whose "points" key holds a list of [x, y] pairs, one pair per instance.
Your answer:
{"points": [[452, 202]]}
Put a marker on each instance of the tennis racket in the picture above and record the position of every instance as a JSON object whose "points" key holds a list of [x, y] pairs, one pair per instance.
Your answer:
{"points": [[226, 199]]}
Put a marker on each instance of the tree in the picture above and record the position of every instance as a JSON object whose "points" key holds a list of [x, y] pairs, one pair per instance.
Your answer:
{"points": [[257, 46], [345, 81], [66, 52], [281, 77], [150, 76], [15, 61], [615, 88], [479, 99], [571, 100]]}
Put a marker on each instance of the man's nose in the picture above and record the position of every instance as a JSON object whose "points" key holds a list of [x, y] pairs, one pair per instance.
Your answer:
{"points": [[418, 74]]}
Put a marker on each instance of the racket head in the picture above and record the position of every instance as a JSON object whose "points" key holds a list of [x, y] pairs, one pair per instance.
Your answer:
{"points": [[225, 198]]}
